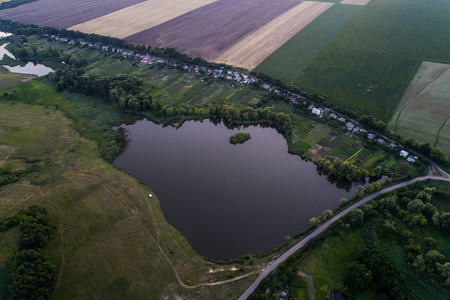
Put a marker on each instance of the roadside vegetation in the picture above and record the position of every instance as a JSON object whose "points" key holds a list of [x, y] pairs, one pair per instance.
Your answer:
{"points": [[394, 247], [60, 141]]}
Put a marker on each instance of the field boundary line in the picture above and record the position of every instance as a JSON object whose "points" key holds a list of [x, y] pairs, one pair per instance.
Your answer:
{"points": [[439, 132], [415, 97]]}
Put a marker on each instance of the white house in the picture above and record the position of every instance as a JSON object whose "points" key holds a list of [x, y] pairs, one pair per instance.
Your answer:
{"points": [[404, 153]]}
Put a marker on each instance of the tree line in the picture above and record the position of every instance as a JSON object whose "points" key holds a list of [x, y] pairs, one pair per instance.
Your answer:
{"points": [[14, 3], [34, 273]]}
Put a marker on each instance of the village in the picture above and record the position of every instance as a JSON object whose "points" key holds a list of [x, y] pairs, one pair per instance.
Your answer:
{"points": [[240, 77]]}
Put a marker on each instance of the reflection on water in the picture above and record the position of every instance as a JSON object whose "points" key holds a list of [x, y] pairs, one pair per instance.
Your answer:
{"points": [[229, 200], [29, 68]]}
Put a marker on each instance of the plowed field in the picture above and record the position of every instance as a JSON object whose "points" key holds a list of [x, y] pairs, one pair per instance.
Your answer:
{"points": [[63, 13], [211, 29], [138, 17], [252, 50]]}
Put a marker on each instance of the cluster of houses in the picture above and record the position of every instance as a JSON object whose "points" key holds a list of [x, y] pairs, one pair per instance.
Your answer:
{"points": [[242, 78], [409, 158]]}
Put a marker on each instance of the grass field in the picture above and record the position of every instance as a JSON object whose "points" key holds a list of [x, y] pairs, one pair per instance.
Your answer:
{"points": [[368, 65], [288, 61], [254, 48], [139, 17], [109, 232], [425, 107]]}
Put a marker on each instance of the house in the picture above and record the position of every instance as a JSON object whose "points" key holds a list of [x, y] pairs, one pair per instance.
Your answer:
{"points": [[350, 125], [341, 119], [411, 160], [381, 141], [316, 111], [392, 145], [333, 115], [370, 136], [404, 153]]}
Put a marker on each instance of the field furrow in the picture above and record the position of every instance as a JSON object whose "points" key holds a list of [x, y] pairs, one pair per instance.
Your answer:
{"points": [[211, 29], [138, 17], [63, 13]]}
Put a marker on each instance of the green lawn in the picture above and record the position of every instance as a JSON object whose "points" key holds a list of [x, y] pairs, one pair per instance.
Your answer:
{"points": [[288, 61], [368, 65]]}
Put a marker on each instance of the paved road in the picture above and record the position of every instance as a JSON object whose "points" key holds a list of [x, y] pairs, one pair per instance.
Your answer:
{"points": [[325, 225]]}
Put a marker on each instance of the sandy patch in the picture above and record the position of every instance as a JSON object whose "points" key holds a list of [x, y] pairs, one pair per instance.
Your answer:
{"points": [[138, 17], [355, 2], [253, 49]]}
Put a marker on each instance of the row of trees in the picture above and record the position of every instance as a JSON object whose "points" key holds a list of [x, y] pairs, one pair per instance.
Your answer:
{"points": [[426, 149], [34, 274], [344, 169], [13, 3]]}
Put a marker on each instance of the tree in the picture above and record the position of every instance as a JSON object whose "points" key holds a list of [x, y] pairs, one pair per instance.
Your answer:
{"points": [[327, 214], [343, 202], [356, 217], [314, 221], [357, 276], [433, 257], [416, 206]]}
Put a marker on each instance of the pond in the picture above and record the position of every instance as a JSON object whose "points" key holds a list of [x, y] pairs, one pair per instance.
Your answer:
{"points": [[228, 200], [29, 68]]}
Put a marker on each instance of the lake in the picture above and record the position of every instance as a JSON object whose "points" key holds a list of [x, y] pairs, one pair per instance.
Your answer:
{"points": [[228, 200], [29, 68]]}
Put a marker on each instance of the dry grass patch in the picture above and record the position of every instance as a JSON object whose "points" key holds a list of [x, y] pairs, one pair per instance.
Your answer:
{"points": [[138, 17], [253, 49], [355, 2]]}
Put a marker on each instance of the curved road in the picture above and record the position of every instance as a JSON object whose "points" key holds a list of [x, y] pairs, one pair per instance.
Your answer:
{"points": [[325, 225]]}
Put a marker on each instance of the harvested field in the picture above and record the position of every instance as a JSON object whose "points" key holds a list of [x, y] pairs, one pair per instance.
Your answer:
{"points": [[211, 29], [425, 107], [252, 50], [355, 2], [63, 13], [138, 17]]}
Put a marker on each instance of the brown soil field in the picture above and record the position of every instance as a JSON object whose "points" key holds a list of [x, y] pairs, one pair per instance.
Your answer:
{"points": [[138, 17], [63, 13], [355, 2], [253, 49], [211, 29]]}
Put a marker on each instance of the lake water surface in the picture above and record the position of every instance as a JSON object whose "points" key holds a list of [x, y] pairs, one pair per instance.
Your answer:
{"points": [[29, 68], [228, 200]]}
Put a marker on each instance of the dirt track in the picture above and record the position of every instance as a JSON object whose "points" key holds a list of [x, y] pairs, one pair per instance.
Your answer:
{"points": [[138, 17], [253, 49], [355, 2], [63, 13], [211, 29]]}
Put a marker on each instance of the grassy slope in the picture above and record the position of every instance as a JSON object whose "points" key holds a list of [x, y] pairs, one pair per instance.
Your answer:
{"points": [[380, 50], [108, 223], [288, 61]]}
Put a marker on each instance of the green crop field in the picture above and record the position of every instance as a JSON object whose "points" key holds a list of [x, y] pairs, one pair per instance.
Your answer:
{"points": [[368, 65], [425, 108], [288, 61]]}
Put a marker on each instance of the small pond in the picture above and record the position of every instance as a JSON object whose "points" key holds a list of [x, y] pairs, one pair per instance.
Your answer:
{"points": [[29, 68], [229, 200]]}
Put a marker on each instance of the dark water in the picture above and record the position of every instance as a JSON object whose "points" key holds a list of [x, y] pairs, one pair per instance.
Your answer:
{"points": [[228, 200]]}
